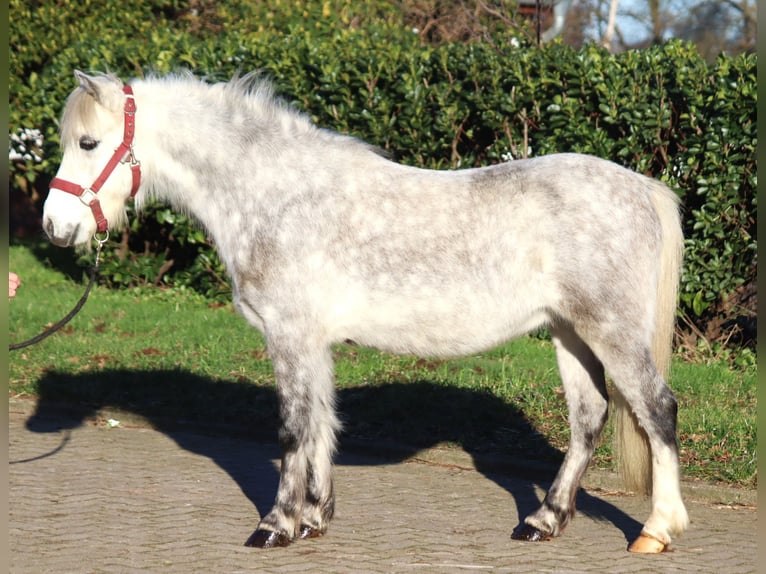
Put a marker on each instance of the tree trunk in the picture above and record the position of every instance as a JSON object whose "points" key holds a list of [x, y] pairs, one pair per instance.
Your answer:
{"points": [[606, 41]]}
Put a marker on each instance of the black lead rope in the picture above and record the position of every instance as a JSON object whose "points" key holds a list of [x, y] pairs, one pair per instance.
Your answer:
{"points": [[53, 328]]}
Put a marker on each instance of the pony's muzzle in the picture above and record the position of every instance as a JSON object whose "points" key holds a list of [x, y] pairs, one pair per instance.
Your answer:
{"points": [[63, 236]]}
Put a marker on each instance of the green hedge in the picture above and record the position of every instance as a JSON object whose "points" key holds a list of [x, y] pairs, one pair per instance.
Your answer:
{"points": [[661, 111]]}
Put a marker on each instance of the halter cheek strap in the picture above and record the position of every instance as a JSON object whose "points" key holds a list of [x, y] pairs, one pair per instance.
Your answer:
{"points": [[123, 154]]}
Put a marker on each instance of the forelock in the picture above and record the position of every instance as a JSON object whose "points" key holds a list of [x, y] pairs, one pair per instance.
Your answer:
{"points": [[79, 117]]}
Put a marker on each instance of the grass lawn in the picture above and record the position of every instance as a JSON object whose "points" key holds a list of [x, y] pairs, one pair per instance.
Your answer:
{"points": [[170, 354]]}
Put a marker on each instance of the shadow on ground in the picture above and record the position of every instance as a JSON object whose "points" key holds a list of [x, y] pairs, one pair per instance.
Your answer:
{"points": [[389, 422]]}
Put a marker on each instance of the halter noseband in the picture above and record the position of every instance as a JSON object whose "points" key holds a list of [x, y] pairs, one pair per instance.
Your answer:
{"points": [[122, 154]]}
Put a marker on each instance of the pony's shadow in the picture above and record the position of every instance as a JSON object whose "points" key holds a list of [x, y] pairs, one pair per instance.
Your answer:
{"points": [[387, 422]]}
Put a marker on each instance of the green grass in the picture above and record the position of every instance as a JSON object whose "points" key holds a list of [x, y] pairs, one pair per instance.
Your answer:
{"points": [[171, 356]]}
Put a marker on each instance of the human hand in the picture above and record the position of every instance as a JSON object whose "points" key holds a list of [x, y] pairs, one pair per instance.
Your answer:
{"points": [[13, 284]]}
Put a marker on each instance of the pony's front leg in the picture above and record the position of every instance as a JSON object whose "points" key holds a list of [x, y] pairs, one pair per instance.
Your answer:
{"points": [[582, 377], [305, 502]]}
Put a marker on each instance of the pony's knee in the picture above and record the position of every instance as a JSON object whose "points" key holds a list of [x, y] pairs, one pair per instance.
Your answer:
{"points": [[292, 435]]}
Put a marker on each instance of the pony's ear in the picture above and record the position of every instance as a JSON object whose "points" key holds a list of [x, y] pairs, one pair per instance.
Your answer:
{"points": [[94, 85], [87, 83]]}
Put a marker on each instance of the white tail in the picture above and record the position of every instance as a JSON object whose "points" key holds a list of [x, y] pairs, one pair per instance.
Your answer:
{"points": [[634, 457]]}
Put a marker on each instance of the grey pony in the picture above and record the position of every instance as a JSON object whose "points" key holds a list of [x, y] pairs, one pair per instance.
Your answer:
{"points": [[326, 241]]}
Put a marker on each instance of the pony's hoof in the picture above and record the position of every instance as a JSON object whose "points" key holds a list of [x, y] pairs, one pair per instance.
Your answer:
{"points": [[267, 539], [529, 533], [646, 544], [309, 532]]}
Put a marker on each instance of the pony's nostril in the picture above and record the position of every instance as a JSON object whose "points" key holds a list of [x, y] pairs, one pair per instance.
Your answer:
{"points": [[48, 226], [64, 237]]}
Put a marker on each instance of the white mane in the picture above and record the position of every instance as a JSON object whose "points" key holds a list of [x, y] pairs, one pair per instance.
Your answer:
{"points": [[250, 98]]}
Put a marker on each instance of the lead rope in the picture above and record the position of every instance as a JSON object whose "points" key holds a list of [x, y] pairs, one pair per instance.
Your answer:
{"points": [[53, 328]]}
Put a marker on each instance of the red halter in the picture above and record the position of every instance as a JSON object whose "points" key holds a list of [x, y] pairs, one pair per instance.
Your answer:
{"points": [[122, 154]]}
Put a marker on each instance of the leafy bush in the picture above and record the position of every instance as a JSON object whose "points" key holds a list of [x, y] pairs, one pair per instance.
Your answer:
{"points": [[661, 111]]}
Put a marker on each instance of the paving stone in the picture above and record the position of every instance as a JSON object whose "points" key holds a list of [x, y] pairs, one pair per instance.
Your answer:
{"points": [[89, 500]]}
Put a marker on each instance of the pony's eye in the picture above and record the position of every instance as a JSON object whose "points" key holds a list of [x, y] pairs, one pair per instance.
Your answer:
{"points": [[88, 143]]}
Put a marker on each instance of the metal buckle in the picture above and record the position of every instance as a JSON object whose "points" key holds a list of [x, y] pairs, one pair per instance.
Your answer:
{"points": [[87, 196], [130, 156]]}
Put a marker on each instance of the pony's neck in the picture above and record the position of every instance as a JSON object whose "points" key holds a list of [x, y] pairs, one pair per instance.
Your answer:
{"points": [[212, 152]]}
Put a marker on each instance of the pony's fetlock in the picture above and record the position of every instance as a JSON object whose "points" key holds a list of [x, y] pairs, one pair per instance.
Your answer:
{"points": [[314, 523]]}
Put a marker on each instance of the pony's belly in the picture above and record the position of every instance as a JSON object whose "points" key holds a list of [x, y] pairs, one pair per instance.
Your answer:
{"points": [[428, 332]]}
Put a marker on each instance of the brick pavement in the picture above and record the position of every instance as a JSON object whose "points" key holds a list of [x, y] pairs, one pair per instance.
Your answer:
{"points": [[86, 498]]}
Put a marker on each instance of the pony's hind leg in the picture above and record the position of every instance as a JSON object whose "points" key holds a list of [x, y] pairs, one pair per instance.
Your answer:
{"points": [[655, 408], [304, 503], [582, 377]]}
